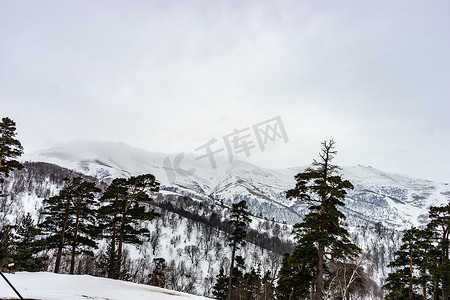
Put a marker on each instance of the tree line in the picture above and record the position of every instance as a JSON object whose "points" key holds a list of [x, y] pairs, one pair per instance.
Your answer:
{"points": [[421, 264], [78, 217], [211, 218]]}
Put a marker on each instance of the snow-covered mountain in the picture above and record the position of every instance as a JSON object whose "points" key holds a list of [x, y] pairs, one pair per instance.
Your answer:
{"points": [[394, 201], [190, 234]]}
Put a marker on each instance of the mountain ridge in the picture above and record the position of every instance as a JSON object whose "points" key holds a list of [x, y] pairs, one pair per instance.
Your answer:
{"points": [[396, 201]]}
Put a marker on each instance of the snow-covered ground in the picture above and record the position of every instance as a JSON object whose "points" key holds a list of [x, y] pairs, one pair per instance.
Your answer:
{"points": [[50, 286]]}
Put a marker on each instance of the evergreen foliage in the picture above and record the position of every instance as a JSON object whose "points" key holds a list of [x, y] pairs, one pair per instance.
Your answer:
{"points": [[5, 246], [70, 220], [10, 148], [239, 220], [27, 246], [220, 289], [421, 268], [321, 231], [122, 215], [440, 225], [245, 285], [55, 224], [83, 210], [297, 273]]}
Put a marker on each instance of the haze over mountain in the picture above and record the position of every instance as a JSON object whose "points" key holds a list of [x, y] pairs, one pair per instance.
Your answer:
{"points": [[395, 201]]}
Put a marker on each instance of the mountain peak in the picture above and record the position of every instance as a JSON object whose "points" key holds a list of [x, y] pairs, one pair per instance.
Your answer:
{"points": [[392, 199]]}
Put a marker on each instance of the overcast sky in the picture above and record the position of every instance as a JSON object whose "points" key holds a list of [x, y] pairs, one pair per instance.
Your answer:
{"points": [[169, 76]]}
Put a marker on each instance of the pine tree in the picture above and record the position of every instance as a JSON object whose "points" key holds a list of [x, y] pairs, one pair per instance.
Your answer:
{"points": [[400, 282], [427, 257], [297, 272], [220, 289], [109, 217], [26, 247], [6, 250], [421, 267], [10, 148], [251, 284], [239, 287], [122, 214], [285, 288], [440, 224], [83, 209], [324, 190], [55, 224], [69, 219], [239, 220]]}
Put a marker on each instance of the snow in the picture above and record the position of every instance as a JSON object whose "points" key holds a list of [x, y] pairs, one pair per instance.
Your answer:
{"points": [[396, 201], [50, 286]]}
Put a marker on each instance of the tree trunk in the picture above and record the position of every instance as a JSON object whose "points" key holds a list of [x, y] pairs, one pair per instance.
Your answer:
{"points": [[112, 264], [61, 241], [410, 274], [424, 286], [318, 294], [445, 254], [74, 244], [119, 250], [1, 152], [233, 252], [434, 290]]}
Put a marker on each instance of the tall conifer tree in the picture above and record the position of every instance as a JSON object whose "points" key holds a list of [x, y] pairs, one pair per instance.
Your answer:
{"points": [[56, 210], [400, 284], [324, 190], [440, 224], [27, 247], [421, 265], [69, 219], [122, 213], [83, 209], [239, 220], [10, 148]]}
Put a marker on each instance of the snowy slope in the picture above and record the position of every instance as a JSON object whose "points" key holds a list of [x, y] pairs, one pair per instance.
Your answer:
{"points": [[395, 201], [190, 235], [50, 286]]}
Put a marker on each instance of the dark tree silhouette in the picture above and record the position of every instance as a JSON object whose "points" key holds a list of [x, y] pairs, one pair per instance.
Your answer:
{"points": [[324, 190]]}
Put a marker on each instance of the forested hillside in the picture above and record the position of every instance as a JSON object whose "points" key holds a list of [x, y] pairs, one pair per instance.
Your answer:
{"points": [[187, 245]]}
